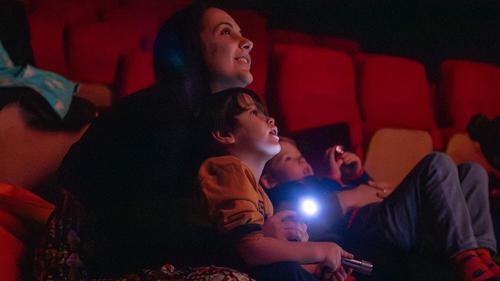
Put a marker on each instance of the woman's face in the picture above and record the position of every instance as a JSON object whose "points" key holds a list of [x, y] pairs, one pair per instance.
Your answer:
{"points": [[225, 50]]}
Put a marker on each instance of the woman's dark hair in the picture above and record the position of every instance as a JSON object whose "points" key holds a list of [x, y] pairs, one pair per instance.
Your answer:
{"points": [[177, 53], [40, 115], [219, 113]]}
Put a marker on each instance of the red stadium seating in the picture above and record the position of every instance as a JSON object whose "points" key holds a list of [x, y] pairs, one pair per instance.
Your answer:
{"points": [[47, 43], [347, 46], [136, 72], [94, 49], [162, 9], [20, 212], [394, 93], [138, 21], [70, 12], [468, 88], [283, 36], [313, 87], [254, 27]]}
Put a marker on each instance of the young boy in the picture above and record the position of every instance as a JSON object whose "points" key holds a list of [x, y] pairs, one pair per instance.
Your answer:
{"points": [[437, 207], [244, 137]]}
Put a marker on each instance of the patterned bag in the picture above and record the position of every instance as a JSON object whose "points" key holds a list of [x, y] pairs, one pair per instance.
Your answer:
{"points": [[58, 257]]}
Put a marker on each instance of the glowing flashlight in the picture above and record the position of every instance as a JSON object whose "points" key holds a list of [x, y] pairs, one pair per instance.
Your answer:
{"points": [[309, 207]]}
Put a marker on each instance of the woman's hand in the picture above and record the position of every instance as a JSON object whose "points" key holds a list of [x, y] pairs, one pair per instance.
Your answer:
{"points": [[284, 226]]}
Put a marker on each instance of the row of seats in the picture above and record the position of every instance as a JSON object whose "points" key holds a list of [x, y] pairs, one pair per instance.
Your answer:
{"points": [[308, 80]]}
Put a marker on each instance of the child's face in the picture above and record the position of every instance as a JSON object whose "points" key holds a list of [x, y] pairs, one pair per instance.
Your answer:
{"points": [[289, 164], [256, 132]]}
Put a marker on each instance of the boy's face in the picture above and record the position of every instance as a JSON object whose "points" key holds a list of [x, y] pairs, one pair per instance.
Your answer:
{"points": [[289, 164], [255, 131]]}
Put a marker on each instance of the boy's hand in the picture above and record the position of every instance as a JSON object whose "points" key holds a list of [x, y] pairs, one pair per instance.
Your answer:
{"points": [[366, 194], [333, 163], [333, 259], [339, 275], [284, 226], [385, 188], [353, 162], [347, 159], [295, 230]]}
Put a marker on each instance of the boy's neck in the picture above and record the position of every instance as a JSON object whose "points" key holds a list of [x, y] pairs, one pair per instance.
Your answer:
{"points": [[253, 161]]}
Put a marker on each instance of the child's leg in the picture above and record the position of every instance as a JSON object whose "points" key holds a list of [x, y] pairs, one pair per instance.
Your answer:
{"points": [[428, 212], [474, 182], [428, 209], [283, 271]]}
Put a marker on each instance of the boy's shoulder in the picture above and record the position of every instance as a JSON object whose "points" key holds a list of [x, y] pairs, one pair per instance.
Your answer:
{"points": [[227, 161], [224, 164]]}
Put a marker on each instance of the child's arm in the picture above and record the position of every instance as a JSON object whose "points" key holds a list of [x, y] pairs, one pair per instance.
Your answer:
{"points": [[359, 197], [265, 250], [231, 202]]}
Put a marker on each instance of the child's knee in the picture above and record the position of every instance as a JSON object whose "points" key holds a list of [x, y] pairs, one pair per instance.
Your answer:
{"points": [[441, 160], [474, 171]]}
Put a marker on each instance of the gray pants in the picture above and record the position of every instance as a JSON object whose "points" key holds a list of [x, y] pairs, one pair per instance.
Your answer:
{"points": [[439, 208]]}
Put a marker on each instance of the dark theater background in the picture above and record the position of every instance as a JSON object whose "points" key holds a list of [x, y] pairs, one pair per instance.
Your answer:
{"points": [[392, 80]]}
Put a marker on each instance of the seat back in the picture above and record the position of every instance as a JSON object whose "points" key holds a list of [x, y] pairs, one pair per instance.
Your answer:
{"points": [[394, 93], [462, 149], [29, 156], [392, 153], [313, 87], [468, 88]]}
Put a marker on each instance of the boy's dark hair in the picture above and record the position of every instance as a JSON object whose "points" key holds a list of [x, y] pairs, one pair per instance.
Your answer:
{"points": [[219, 114]]}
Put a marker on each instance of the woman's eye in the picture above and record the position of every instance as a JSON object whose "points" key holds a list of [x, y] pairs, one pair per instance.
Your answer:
{"points": [[225, 31], [255, 112]]}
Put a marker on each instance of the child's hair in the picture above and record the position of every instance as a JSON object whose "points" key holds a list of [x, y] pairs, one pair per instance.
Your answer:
{"points": [[219, 114]]}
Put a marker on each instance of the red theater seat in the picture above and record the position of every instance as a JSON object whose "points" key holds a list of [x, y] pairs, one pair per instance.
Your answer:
{"points": [[70, 12], [313, 87], [347, 46], [394, 93], [136, 72], [138, 21], [162, 9], [254, 27], [47, 43], [94, 49], [283, 36], [468, 88]]}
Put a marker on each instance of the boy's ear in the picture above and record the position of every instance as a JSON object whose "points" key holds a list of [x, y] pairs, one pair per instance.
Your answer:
{"points": [[268, 181], [223, 138]]}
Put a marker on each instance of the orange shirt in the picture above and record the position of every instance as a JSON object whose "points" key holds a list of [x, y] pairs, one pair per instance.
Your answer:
{"points": [[231, 199]]}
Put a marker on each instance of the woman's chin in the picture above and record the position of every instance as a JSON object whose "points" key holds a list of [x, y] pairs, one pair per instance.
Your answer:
{"points": [[246, 79]]}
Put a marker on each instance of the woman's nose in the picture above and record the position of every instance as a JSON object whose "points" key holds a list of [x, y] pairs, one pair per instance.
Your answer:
{"points": [[271, 121], [246, 44]]}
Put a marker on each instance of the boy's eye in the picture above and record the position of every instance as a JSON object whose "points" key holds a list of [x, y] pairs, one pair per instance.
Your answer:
{"points": [[225, 31]]}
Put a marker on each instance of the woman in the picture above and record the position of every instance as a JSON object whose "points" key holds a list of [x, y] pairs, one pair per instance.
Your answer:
{"points": [[134, 167]]}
